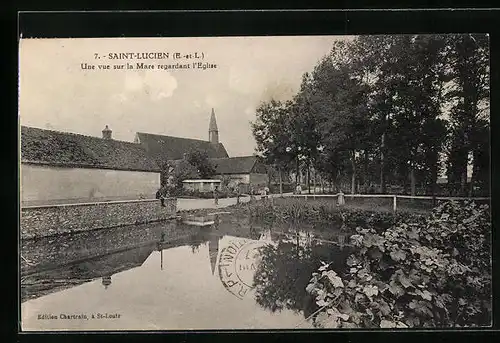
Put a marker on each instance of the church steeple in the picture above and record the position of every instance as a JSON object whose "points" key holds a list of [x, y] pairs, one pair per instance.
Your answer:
{"points": [[213, 251], [213, 131]]}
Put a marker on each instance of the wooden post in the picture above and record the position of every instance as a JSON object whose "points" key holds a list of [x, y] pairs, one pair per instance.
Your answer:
{"points": [[394, 203]]}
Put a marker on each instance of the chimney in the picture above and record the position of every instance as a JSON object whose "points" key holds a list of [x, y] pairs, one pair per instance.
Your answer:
{"points": [[106, 133]]}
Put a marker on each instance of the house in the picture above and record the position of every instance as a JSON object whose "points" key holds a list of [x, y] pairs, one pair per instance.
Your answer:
{"points": [[245, 171], [61, 167]]}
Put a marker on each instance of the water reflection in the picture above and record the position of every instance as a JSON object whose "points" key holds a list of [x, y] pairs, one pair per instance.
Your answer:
{"points": [[286, 268], [106, 281], [234, 273]]}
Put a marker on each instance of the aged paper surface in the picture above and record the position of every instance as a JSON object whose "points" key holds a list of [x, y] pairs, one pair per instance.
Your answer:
{"points": [[255, 183], [119, 279]]}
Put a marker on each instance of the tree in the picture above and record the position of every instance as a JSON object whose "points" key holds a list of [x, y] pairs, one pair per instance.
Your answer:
{"points": [[194, 165], [373, 60], [409, 83], [271, 131], [181, 171], [342, 111], [393, 103], [306, 133], [200, 161], [468, 95]]}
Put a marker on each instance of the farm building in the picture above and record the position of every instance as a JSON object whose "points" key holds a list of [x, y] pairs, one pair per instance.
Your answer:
{"points": [[246, 171], [60, 167]]}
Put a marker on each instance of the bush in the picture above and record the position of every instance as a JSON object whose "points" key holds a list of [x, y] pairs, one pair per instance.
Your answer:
{"points": [[434, 273]]}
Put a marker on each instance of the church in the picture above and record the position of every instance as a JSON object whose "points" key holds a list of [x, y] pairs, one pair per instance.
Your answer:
{"points": [[61, 167], [243, 170]]}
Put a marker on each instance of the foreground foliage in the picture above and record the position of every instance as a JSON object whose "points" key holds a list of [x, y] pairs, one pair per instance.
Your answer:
{"points": [[434, 273]]}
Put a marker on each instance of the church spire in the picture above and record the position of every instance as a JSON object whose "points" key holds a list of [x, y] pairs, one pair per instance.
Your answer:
{"points": [[213, 131], [213, 251]]}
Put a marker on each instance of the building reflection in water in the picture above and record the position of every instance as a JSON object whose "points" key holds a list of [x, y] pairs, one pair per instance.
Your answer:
{"points": [[280, 277], [213, 251]]}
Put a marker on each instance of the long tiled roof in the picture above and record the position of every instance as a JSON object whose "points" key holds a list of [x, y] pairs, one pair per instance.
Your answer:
{"points": [[173, 148], [74, 150], [235, 165]]}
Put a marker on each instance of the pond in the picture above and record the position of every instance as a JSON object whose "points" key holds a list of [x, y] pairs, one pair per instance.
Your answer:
{"points": [[221, 272]]}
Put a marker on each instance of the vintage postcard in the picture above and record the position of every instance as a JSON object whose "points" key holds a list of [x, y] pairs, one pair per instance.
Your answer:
{"points": [[277, 182]]}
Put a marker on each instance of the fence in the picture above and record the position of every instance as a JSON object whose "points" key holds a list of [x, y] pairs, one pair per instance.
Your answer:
{"points": [[390, 201]]}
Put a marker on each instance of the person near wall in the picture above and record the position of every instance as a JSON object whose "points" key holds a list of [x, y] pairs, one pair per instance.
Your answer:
{"points": [[161, 194]]}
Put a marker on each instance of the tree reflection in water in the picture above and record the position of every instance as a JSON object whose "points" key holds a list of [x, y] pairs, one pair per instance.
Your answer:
{"points": [[285, 270]]}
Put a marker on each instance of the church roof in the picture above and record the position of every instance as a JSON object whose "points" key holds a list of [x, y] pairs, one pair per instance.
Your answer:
{"points": [[213, 123], [40, 146], [236, 165], [174, 148]]}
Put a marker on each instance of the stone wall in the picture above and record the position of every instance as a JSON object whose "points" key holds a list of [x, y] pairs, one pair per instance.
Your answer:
{"points": [[43, 221]]}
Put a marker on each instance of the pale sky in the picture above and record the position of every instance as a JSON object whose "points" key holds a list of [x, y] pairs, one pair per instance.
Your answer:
{"points": [[56, 93]]}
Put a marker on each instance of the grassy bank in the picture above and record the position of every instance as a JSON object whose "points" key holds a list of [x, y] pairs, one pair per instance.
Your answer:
{"points": [[283, 210]]}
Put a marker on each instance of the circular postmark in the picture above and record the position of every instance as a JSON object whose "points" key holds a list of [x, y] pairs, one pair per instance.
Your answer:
{"points": [[237, 266]]}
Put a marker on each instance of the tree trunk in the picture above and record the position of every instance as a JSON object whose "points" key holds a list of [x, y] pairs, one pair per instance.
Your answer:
{"points": [[353, 176], [412, 181], [281, 182], [463, 181], [382, 165], [297, 172], [314, 181], [365, 177], [471, 184], [308, 179]]}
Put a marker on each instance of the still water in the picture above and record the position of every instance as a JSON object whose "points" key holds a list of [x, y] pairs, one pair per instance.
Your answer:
{"points": [[221, 272]]}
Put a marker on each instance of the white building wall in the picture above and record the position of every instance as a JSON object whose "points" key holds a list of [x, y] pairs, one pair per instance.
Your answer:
{"points": [[45, 183]]}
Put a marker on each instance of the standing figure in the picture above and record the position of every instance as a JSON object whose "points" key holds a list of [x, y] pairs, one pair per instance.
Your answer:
{"points": [[216, 195], [265, 192], [341, 199], [252, 195], [238, 194], [298, 189], [160, 194]]}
